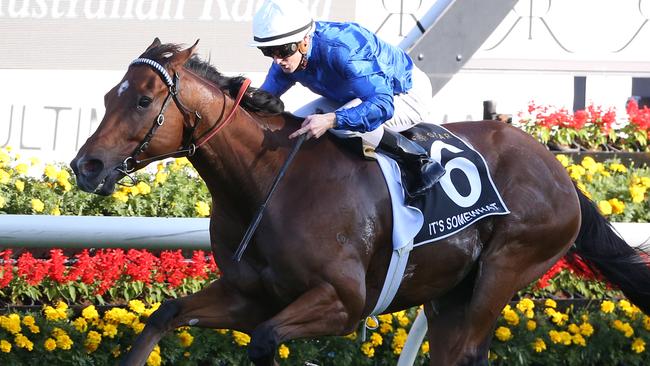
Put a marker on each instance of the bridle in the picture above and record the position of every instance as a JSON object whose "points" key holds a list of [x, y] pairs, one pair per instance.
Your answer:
{"points": [[189, 145]]}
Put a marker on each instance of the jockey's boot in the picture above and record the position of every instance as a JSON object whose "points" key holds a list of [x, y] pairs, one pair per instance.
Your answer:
{"points": [[423, 172]]}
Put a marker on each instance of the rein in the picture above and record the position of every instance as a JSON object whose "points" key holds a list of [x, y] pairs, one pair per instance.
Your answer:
{"points": [[189, 148]]}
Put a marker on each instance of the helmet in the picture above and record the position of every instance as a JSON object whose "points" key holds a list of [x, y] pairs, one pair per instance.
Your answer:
{"points": [[279, 22]]}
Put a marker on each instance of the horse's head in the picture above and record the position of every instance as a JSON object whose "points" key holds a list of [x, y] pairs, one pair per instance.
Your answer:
{"points": [[143, 118]]}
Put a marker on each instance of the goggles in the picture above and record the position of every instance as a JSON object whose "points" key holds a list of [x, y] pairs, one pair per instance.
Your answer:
{"points": [[281, 51]]}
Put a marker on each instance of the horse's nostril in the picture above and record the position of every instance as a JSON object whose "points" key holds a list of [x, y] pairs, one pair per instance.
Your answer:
{"points": [[90, 167]]}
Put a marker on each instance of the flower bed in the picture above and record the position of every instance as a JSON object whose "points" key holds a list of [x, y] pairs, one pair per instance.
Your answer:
{"points": [[528, 333], [595, 128], [531, 330]]}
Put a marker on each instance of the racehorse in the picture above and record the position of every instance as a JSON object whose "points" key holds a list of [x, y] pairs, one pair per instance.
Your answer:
{"points": [[317, 263]]}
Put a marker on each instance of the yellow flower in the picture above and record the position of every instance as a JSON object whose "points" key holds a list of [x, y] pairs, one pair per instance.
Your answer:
{"points": [[645, 181], [563, 159], [90, 313], [589, 164], [617, 206], [586, 329], [241, 339], [386, 318], [29, 320], [5, 346], [385, 328], [637, 192], [137, 306], [4, 158], [624, 328], [22, 342], [616, 167], [93, 339], [646, 322], [525, 304], [50, 344], [371, 323], [607, 306], [576, 172], [550, 303], [80, 324], [53, 314], [573, 328], [605, 207], [4, 177], [37, 205], [154, 357], [21, 168], [202, 209], [398, 341], [539, 345], [185, 338], [425, 347], [120, 196], [110, 330], [283, 351], [638, 346], [531, 325], [161, 177], [579, 340], [376, 339], [11, 323], [34, 161], [368, 350], [51, 171], [503, 334], [20, 185], [510, 316], [143, 188]]}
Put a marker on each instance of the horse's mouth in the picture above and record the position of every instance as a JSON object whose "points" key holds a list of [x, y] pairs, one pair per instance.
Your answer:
{"points": [[105, 187]]}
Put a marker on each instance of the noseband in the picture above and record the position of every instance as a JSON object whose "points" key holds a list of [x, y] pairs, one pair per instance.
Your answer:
{"points": [[189, 146]]}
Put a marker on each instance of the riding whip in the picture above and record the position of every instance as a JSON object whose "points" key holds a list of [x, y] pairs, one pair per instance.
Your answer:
{"points": [[260, 211]]}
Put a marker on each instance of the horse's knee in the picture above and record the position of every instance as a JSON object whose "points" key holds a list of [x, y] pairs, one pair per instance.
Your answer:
{"points": [[162, 318], [264, 342]]}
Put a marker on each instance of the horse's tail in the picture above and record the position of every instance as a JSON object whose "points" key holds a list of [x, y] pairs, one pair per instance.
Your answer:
{"points": [[622, 265]]}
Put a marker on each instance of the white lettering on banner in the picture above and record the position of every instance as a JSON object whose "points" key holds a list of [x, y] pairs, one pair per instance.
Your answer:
{"points": [[147, 10], [453, 222]]}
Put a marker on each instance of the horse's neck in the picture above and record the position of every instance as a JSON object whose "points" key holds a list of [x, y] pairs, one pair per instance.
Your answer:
{"points": [[238, 162]]}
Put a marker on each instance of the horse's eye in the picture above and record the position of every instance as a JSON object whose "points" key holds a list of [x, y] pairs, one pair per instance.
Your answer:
{"points": [[144, 102]]}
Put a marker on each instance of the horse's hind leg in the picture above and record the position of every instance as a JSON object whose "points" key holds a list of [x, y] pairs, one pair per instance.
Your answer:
{"points": [[216, 306], [461, 324]]}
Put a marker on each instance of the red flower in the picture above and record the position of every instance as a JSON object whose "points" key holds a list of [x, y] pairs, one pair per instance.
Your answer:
{"points": [[110, 264], [140, 264], [83, 268], [172, 264], [32, 270], [6, 270], [579, 119], [57, 265]]}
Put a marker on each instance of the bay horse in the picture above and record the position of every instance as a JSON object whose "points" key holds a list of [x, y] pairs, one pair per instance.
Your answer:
{"points": [[318, 260]]}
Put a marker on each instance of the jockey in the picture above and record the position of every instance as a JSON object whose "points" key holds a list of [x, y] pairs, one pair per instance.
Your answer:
{"points": [[364, 84]]}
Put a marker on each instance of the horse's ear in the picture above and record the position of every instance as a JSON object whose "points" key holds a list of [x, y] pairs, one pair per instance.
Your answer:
{"points": [[156, 42], [181, 57]]}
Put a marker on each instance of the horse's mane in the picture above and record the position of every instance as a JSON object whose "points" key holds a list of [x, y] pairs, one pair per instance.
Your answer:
{"points": [[255, 100]]}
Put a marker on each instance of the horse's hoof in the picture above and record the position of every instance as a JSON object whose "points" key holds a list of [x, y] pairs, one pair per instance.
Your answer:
{"points": [[261, 350]]}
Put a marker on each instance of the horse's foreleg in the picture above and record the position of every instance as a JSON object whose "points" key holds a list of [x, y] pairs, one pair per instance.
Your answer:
{"points": [[317, 312], [217, 306]]}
